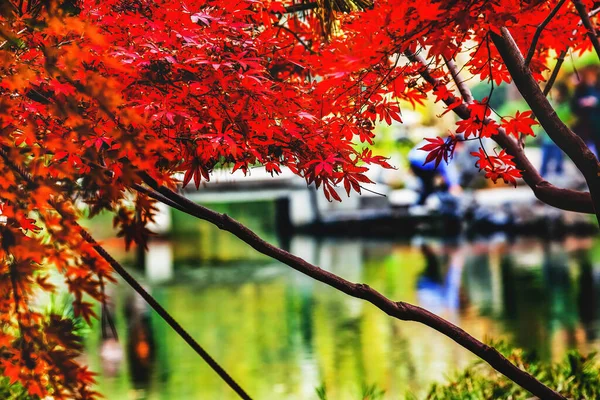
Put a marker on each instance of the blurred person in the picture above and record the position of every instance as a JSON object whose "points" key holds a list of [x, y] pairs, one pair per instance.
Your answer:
{"points": [[463, 162], [551, 153], [141, 346], [429, 175], [586, 106], [112, 354], [438, 286]]}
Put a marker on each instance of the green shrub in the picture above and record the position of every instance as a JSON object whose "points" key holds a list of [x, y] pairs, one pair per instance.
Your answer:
{"points": [[576, 377], [12, 392]]}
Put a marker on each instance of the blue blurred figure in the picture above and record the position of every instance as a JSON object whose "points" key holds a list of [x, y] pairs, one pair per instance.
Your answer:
{"points": [[428, 173], [551, 153], [438, 287]]}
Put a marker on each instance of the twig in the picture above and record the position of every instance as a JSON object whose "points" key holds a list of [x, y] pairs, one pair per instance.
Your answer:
{"points": [[585, 19], [164, 314], [559, 62], [460, 84], [6, 41], [298, 38], [13, 6], [538, 31], [301, 7], [561, 58]]}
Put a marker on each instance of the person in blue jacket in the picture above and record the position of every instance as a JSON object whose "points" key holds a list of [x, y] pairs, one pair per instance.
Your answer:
{"points": [[552, 155], [428, 174]]}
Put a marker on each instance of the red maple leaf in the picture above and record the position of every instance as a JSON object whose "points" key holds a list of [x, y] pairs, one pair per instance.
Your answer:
{"points": [[439, 149], [521, 123]]}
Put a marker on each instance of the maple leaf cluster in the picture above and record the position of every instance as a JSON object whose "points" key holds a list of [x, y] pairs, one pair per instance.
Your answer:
{"points": [[497, 166], [478, 126], [95, 93], [33, 342]]}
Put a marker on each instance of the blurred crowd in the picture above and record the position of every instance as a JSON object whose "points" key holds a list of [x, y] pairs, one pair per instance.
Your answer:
{"points": [[576, 101]]}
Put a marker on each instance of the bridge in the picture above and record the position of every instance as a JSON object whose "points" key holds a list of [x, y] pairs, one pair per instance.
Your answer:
{"points": [[305, 205], [300, 207]]}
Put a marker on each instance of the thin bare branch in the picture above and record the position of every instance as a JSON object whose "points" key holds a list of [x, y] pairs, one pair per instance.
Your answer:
{"points": [[298, 38], [7, 40], [460, 84], [301, 7], [561, 58], [540, 28], [559, 62]]}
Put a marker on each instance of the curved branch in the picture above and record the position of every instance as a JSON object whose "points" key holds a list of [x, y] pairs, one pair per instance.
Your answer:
{"points": [[400, 310], [297, 37], [569, 142], [135, 285], [565, 199]]}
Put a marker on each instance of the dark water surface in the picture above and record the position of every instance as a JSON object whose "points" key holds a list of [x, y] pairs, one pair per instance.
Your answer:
{"points": [[281, 335]]}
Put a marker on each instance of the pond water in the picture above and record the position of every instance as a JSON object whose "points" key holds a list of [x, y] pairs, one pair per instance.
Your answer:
{"points": [[281, 335]]}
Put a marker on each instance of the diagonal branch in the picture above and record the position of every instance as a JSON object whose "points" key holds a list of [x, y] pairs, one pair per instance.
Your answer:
{"points": [[559, 62], [540, 28], [460, 84], [400, 310], [164, 314], [565, 199], [587, 23], [561, 58]]}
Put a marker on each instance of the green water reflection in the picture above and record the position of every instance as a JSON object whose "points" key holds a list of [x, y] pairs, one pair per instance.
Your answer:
{"points": [[281, 334]]}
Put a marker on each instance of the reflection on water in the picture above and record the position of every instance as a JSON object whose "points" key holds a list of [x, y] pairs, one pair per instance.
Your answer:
{"points": [[281, 334]]}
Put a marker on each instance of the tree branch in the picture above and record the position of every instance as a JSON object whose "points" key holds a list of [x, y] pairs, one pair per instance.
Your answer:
{"points": [[297, 37], [460, 84], [587, 23], [400, 310], [561, 58], [565, 199], [559, 62], [301, 7], [164, 314], [540, 28], [570, 143]]}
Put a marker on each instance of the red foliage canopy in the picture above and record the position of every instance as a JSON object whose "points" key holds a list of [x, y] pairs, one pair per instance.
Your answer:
{"points": [[92, 92]]}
